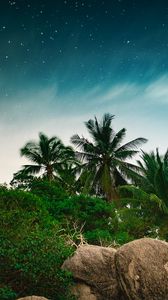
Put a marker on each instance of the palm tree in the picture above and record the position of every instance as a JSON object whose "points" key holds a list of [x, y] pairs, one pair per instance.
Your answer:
{"points": [[47, 156], [152, 183], [104, 159], [154, 174], [67, 176]]}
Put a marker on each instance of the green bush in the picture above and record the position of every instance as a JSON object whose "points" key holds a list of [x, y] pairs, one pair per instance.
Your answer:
{"points": [[7, 294], [50, 192], [32, 249], [92, 214], [141, 214], [13, 199]]}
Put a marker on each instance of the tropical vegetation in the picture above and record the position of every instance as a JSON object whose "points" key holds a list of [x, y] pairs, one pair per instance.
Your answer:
{"points": [[105, 158], [93, 193], [48, 156]]}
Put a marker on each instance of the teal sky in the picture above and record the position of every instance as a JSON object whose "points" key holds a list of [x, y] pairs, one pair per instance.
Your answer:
{"points": [[63, 62]]}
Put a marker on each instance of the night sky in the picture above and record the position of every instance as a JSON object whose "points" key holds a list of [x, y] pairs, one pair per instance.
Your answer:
{"points": [[62, 62]]}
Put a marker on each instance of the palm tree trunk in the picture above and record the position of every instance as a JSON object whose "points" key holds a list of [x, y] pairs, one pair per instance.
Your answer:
{"points": [[49, 170], [112, 195]]}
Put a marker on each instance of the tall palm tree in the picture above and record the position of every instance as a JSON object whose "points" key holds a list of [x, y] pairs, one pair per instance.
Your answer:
{"points": [[104, 158], [47, 156], [154, 174], [152, 183]]}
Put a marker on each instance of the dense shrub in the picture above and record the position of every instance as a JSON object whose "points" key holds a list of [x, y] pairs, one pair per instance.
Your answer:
{"points": [[49, 191], [93, 214], [142, 214], [107, 223], [32, 249]]}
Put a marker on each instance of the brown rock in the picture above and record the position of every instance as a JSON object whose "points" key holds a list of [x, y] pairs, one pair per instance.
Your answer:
{"points": [[142, 268], [94, 266], [84, 292], [33, 298]]}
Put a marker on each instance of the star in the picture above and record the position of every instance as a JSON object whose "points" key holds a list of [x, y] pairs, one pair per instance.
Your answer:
{"points": [[12, 3]]}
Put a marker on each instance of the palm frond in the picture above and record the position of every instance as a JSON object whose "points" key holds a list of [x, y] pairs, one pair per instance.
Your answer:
{"points": [[117, 139], [107, 118], [32, 169], [133, 144], [31, 154], [79, 141], [126, 154]]}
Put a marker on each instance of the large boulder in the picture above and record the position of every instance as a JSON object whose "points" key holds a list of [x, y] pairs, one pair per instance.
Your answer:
{"points": [[142, 269], [33, 298], [95, 266]]}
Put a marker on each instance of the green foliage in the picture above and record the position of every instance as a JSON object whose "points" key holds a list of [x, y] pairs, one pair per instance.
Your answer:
{"points": [[154, 174], [32, 248], [142, 214], [36, 226], [67, 177], [13, 199], [7, 294], [99, 236], [50, 192], [104, 159], [21, 180], [47, 155], [91, 214], [122, 236]]}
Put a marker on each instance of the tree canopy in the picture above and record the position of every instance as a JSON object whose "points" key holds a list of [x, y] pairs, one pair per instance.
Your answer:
{"points": [[105, 158], [47, 156]]}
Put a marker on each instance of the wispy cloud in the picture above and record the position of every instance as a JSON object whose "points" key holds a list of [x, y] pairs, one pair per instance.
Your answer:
{"points": [[157, 91], [127, 93], [136, 107]]}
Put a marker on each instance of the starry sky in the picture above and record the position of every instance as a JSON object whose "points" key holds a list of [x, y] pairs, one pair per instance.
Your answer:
{"points": [[65, 61]]}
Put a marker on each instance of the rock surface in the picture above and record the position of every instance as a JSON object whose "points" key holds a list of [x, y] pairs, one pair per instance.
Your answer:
{"points": [[84, 292], [33, 298], [142, 269], [94, 266]]}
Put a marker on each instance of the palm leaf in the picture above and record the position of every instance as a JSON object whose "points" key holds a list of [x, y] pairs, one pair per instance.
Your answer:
{"points": [[117, 139], [32, 169], [133, 144], [126, 154]]}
